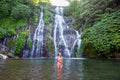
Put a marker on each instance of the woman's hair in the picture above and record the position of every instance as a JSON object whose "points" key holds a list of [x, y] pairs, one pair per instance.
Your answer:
{"points": [[59, 54]]}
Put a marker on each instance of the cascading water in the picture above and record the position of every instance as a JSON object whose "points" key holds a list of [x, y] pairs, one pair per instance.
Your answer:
{"points": [[58, 32], [77, 42], [65, 38], [37, 47]]}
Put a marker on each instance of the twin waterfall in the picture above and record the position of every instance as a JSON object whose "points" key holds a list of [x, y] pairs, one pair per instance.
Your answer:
{"points": [[65, 38]]}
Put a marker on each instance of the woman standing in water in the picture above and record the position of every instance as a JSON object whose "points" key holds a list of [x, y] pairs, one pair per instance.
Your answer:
{"points": [[59, 65], [60, 60]]}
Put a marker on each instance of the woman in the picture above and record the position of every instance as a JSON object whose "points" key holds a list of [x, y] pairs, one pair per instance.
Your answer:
{"points": [[60, 60]]}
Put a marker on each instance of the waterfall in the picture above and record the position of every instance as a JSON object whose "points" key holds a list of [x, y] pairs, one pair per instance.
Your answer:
{"points": [[59, 39], [64, 36], [77, 42], [37, 47]]}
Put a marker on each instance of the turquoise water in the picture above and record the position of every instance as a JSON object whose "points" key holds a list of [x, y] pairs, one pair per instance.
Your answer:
{"points": [[46, 69]]}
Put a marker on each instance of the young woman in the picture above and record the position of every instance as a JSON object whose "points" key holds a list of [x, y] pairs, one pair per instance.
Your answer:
{"points": [[60, 61]]}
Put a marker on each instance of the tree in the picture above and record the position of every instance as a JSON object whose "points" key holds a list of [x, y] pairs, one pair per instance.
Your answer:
{"points": [[21, 11]]}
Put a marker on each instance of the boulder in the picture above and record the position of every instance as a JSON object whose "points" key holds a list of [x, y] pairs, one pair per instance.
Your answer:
{"points": [[2, 56]]}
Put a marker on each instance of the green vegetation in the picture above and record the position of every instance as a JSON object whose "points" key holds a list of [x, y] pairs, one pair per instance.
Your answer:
{"points": [[20, 11], [99, 20], [104, 36], [48, 14], [85, 12], [30, 42], [36, 17], [14, 15], [2, 33], [50, 45], [49, 38], [20, 42], [18, 14]]}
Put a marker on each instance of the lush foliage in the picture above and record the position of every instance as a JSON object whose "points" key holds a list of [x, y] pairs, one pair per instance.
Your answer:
{"points": [[20, 42], [2, 33], [8, 27], [14, 15], [30, 42], [99, 20], [86, 12], [48, 15], [20, 11], [8, 7], [6, 33], [104, 36], [50, 46]]}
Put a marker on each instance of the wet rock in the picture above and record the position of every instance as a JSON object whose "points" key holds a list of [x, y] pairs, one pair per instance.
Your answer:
{"points": [[16, 57], [2, 56], [68, 20]]}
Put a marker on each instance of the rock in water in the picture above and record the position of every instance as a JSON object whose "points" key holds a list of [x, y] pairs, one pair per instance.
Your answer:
{"points": [[2, 56]]}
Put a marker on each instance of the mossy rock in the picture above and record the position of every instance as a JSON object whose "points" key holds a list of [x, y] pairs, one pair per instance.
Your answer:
{"points": [[10, 55]]}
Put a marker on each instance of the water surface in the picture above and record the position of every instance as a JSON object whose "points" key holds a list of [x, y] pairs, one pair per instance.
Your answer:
{"points": [[46, 69]]}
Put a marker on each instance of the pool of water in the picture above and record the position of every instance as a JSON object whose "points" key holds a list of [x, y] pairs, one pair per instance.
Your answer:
{"points": [[46, 69]]}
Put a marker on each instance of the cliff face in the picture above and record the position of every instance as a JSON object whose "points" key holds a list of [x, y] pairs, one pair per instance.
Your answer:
{"points": [[99, 20], [16, 32]]}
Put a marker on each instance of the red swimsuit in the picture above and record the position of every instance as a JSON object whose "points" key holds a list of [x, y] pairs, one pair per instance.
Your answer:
{"points": [[60, 62]]}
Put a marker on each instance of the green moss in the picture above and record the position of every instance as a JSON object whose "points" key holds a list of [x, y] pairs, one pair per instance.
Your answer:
{"points": [[10, 55], [30, 42], [10, 44], [20, 42], [50, 46]]}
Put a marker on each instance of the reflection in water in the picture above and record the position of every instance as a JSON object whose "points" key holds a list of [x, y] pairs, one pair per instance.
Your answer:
{"points": [[101, 70], [41, 69], [59, 74], [2, 62], [46, 69], [73, 69], [36, 70], [80, 68], [67, 63]]}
